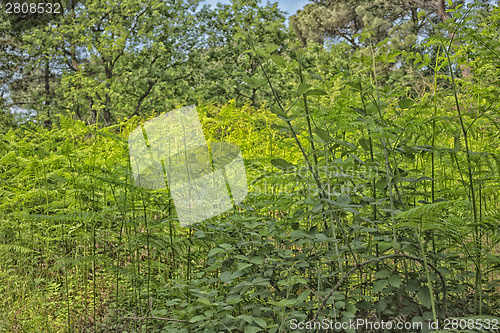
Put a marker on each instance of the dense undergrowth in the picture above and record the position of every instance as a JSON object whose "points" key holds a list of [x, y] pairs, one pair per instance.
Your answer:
{"points": [[370, 196]]}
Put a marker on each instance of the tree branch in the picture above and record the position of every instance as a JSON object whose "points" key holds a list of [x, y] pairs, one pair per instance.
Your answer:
{"points": [[141, 99]]}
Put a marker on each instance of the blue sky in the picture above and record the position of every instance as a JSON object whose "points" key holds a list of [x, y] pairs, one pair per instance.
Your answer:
{"points": [[289, 6]]}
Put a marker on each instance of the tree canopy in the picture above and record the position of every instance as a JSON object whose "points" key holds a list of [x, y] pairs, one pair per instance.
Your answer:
{"points": [[345, 19]]}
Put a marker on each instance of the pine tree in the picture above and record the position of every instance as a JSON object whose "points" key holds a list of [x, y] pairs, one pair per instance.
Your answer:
{"points": [[344, 19]]}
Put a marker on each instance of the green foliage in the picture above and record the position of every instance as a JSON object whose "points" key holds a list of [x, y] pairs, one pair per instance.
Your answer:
{"points": [[99, 61], [345, 20]]}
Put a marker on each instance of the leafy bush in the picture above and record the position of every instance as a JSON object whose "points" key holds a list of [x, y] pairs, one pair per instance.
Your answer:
{"points": [[370, 196]]}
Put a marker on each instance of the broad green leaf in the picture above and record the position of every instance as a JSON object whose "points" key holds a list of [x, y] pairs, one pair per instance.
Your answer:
{"points": [[252, 329], [257, 260], [249, 51], [324, 135], [261, 322], [348, 315], [424, 296], [381, 183], [214, 251], [280, 128], [159, 313], [262, 52], [316, 92], [302, 297], [233, 299], [317, 208], [246, 318], [199, 234], [427, 315], [339, 304], [270, 48], [282, 303], [204, 300], [321, 238], [253, 82], [371, 108], [344, 143], [296, 234], [197, 318], [412, 285], [226, 277], [237, 274], [381, 305], [379, 285], [278, 60], [257, 82], [355, 85], [383, 274], [343, 200], [405, 103], [418, 319], [292, 280], [303, 87], [241, 266], [338, 296], [351, 308], [395, 280], [364, 143], [360, 111], [260, 281], [277, 111], [282, 164]]}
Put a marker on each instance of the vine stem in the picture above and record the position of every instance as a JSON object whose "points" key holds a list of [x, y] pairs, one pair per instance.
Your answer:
{"points": [[158, 318]]}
